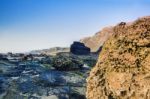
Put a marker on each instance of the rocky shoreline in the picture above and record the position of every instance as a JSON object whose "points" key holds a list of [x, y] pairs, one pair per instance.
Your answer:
{"points": [[32, 79]]}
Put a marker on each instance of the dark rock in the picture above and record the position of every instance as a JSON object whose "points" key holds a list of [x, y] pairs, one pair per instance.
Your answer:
{"points": [[77, 96], [3, 57], [79, 49], [122, 23]]}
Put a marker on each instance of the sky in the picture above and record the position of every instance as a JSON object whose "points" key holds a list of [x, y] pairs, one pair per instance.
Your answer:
{"points": [[27, 25]]}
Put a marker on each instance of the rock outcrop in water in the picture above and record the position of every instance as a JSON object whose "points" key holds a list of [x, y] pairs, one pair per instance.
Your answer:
{"points": [[79, 49], [123, 67]]}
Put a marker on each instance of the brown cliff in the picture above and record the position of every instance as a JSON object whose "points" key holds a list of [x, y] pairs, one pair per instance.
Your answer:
{"points": [[96, 41], [123, 67]]}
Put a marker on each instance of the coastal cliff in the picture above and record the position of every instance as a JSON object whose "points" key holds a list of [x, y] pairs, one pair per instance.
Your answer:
{"points": [[123, 67]]}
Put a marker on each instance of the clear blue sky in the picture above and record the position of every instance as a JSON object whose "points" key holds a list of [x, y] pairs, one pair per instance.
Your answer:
{"points": [[36, 24]]}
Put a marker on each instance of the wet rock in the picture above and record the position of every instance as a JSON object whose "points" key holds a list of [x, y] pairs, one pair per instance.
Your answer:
{"points": [[66, 63], [30, 80], [50, 97], [77, 96], [79, 49]]}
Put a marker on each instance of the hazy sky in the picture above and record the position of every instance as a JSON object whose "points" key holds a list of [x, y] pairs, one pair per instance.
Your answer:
{"points": [[36, 24]]}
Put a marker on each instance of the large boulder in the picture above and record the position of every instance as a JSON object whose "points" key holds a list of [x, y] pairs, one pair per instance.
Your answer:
{"points": [[79, 49], [123, 67]]}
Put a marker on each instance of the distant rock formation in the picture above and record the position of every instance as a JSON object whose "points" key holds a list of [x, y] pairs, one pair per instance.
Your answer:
{"points": [[96, 41], [79, 49], [51, 51], [123, 67]]}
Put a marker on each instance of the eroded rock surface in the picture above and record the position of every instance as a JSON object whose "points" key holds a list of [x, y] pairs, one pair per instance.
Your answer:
{"points": [[123, 67]]}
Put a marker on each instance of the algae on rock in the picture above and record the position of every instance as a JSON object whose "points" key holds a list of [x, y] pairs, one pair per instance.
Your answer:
{"points": [[123, 67]]}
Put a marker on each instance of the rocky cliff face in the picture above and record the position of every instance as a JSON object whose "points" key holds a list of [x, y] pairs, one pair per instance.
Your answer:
{"points": [[123, 67], [96, 41]]}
